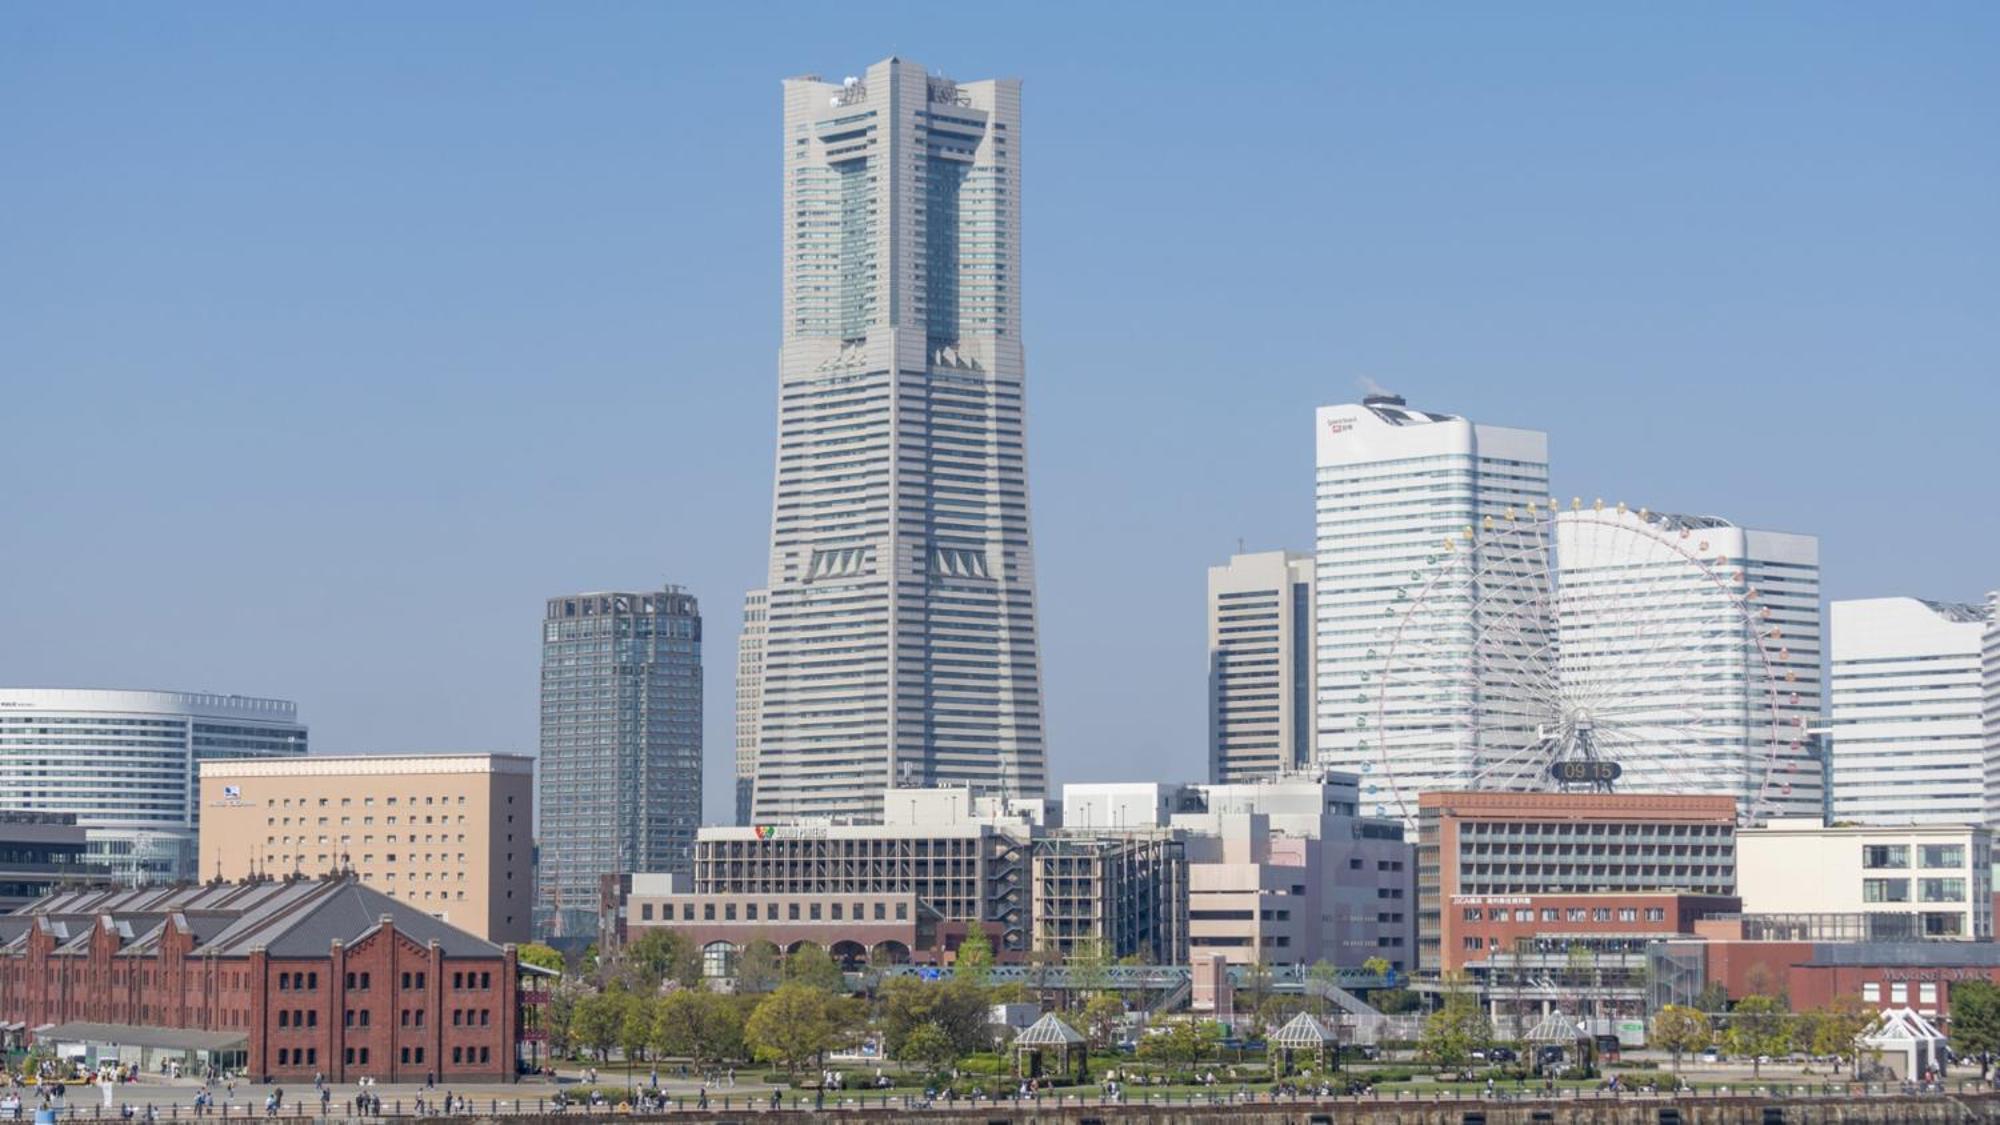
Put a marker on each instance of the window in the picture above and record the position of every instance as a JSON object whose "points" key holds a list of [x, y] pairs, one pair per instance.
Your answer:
{"points": [[1551, 914], [1885, 890], [1941, 890], [1899, 993], [1628, 914], [1577, 914], [1600, 914], [1941, 855], [1943, 924], [1871, 993], [1656, 914], [1927, 993], [1877, 857], [486, 980], [1473, 914]]}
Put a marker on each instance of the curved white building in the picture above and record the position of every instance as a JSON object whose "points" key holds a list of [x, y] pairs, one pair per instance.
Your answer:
{"points": [[126, 763]]}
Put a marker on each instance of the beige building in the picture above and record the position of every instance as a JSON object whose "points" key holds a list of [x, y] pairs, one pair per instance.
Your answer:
{"points": [[1906, 883], [1260, 666], [450, 834]]}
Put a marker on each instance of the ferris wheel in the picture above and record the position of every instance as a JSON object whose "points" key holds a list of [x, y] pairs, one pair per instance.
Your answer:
{"points": [[1592, 648]]}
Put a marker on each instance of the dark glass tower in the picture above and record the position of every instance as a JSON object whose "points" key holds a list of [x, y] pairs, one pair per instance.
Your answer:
{"points": [[620, 778]]}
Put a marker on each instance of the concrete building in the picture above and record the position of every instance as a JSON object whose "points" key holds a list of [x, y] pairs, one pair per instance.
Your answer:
{"points": [[749, 697], [124, 764], [1280, 871], [1908, 725], [1596, 871], [281, 980], [901, 646], [1392, 484], [1917, 882], [1260, 666], [1696, 645], [910, 888], [40, 852], [620, 784], [449, 834]]}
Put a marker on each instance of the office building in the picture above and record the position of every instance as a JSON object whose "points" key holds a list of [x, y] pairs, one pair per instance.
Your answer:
{"points": [[1606, 872], [1260, 666], [1811, 973], [449, 834], [1908, 727], [1393, 484], [1991, 678], [40, 852], [1908, 882], [901, 644], [124, 763], [1695, 646], [909, 889], [279, 980], [749, 697], [620, 785], [1280, 872]]}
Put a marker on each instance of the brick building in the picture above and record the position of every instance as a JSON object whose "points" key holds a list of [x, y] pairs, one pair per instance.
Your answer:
{"points": [[1809, 974], [301, 977]]}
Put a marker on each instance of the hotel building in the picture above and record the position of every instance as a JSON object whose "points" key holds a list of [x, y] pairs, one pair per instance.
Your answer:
{"points": [[1913, 882], [449, 834]]}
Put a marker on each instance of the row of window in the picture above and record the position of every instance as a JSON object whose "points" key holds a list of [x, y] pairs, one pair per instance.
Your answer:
{"points": [[1560, 914]]}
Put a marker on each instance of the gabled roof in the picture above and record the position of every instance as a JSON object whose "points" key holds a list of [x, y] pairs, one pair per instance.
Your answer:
{"points": [[1303, 1032], [295, 918], [1048, 1032]]}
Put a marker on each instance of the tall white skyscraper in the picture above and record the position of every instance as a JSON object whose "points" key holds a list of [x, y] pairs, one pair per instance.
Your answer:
{"points": [[1260, 660], [1694, 646], [1393, 484], [1909, 724], [901, 641]]}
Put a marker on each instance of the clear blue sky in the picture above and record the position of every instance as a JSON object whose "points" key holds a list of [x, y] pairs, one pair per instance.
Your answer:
{"points": [[334, 338]]}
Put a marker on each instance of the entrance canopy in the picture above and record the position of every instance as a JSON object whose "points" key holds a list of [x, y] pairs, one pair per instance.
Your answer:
{"points": [[129, 1035]]}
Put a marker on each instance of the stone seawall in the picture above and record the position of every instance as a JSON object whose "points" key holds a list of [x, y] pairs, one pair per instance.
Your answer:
{"points": [[1881, 1109]]}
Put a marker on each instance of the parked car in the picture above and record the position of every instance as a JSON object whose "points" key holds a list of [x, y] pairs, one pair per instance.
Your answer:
{"points": [[1711, 1055], [1502, 1055]]}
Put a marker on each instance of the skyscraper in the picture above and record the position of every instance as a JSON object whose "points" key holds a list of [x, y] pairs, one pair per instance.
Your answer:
{"points": [[1908, 722], [620, 771], [901, 641], [1260, 662], [749, 697], [1394, 483]]}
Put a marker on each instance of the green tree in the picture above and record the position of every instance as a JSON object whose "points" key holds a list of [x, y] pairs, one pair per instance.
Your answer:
{"points": [[1089, 964], [758, 967], [1712, 998], [698, 1025], [815, 967], [559, 1016], [658, 956], [1185, 1043], [974, 962], [955, 1007], [1757, 1027], [931, 1046], [1102, 1014], [1395, 1001], [635, 1028], [1322, 976], [799, 1023], [597, 1021], [1376, 965], [1975, 1021], [1455, 1030], [541, 956], [1678, 1029], [1839, 1023]]}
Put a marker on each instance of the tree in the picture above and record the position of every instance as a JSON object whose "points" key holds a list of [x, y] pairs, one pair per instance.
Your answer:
{"points": [[974, 963], [658, 956], [1713, 997], [932, 1046], [1395, 1001], [1757, 1028], [1186, 1043], [814, 967], [798, 1023], [699, 1025], [1840, 1022], [541, 956], [1975, 1021], [1678, 1029], [758, 968], [1379, 966], [1102, 1014], [1089, 969], [1455, 1030], [955, 1007], [1321, 978], [596, 1023], [635, 1028], [559, 1017]]}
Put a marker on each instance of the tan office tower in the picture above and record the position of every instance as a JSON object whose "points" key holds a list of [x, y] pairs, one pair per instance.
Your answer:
{"points": [[1260, 666], [901, 643], [450, 834]]}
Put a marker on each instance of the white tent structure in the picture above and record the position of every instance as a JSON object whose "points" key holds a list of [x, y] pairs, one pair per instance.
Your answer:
{"points": [[1909, 1043]]}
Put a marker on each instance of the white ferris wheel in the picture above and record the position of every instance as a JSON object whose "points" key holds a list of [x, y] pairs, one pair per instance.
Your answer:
{"points": [[1591, 648]]}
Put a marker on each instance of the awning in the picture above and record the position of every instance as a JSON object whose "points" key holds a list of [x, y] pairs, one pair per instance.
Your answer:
{"points": [[129, 1035]]}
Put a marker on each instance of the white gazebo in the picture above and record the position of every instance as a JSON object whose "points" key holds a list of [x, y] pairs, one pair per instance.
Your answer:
{"points": [[1304, 1033], [1050, 1034], [1908, 1042]]}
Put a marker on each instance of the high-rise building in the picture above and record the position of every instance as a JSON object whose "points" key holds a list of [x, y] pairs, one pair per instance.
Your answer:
{"points": [[450, 834], [1908, 722], [1991, 678], [1394, 483], [749, 697], [126, 764], [901, 642], [620, 783], [1696, 646], [1260, 662]]}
